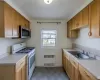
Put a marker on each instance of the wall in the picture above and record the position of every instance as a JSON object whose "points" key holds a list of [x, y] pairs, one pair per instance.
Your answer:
{"points": [[85, 40], [62, 41], [10, 2], [79, 9], [5, 45]]}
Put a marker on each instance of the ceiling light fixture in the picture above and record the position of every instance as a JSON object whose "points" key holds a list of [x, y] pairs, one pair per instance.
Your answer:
{"points": [[48, 1]]}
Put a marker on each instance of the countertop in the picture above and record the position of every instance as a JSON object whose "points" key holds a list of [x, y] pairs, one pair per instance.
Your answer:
{"points": [[92, 66], [11, 59]]}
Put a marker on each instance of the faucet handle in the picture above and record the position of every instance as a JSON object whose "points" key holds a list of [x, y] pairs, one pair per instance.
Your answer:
{"points": [[97, 57], [83, 52]]}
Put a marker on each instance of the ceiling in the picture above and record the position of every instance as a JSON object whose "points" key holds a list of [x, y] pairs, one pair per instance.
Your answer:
{"points": [[58, 9]]}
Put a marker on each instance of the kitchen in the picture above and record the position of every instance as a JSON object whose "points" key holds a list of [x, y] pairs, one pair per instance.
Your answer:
{"points": [[61, 43]]}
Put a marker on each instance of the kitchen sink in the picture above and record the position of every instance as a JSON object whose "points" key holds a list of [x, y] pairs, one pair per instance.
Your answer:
{"points": [[80, 55]]}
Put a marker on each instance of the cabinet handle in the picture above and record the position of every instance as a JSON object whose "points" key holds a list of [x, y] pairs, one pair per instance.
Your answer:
{"points": [[77, 24], [86, 74], [74, 63], [90, 33]]}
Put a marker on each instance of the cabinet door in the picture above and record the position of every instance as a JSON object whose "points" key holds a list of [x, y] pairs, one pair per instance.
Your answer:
{"points": [[64, 59], [69, 69], [85, 16], [24, 72], [21, 20], [85, 75], [71, 33], [68, 29], [15, 24], [79, 20], [66, 64], [25, 23], [76, 21], [95, 18], [74, 73], [28, 24], [8, 20], [19, 74]]}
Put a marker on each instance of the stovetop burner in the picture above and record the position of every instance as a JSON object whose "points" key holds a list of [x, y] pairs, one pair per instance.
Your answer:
{"points": [[26, 50]]}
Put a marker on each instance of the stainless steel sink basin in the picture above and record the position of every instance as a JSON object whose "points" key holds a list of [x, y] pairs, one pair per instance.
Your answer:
{"points": [[80, 55]]}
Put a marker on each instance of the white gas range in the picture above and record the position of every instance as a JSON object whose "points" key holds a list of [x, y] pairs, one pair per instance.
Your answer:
{"points": [[30, 51]]}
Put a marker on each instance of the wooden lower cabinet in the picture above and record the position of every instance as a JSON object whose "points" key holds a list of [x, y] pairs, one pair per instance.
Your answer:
{"points": [[14, 72], [66, 64], [19, 74], [74, 70], [74, 73], [64, 61], [24, 72], [85, 75], [69, 72]]}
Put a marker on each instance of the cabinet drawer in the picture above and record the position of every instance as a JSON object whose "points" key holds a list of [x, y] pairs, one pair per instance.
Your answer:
{"points": [[67, 56], [20, 63], [74, 62], [85, 73]]}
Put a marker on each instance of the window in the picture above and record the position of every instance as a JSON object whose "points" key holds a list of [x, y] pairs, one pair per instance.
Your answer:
{"points": [[48, 38]]}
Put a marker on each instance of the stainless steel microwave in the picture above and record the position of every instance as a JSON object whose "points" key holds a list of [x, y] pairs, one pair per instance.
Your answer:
{"points": [[24, 32]]}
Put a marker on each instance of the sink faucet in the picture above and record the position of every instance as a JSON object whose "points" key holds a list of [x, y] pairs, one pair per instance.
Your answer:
{"points": [[83, 52]]}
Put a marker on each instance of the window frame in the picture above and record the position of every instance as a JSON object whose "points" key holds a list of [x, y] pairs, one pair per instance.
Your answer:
{"points": [[51, 38]]}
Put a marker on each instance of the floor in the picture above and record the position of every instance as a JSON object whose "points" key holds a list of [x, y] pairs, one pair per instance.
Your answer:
{"points": [[49, 74]]}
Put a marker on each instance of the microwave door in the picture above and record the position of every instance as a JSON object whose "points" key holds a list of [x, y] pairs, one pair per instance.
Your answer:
{"points": [[24, 33]]}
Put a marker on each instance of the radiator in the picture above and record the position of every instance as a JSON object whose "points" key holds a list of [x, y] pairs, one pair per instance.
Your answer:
{"points": [[49, 60]]}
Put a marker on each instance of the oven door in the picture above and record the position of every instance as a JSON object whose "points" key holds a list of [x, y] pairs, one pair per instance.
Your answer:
{"points": [[31, 66]]}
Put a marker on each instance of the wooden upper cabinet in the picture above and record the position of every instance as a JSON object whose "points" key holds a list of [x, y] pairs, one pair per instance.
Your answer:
{"points": [[28, 24], [68, 29], [73, 22], [78, 20], [24, 22], [70, 32], [89, 16], [10, 20], [85, 16], [15, 24], [94, 9]]}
